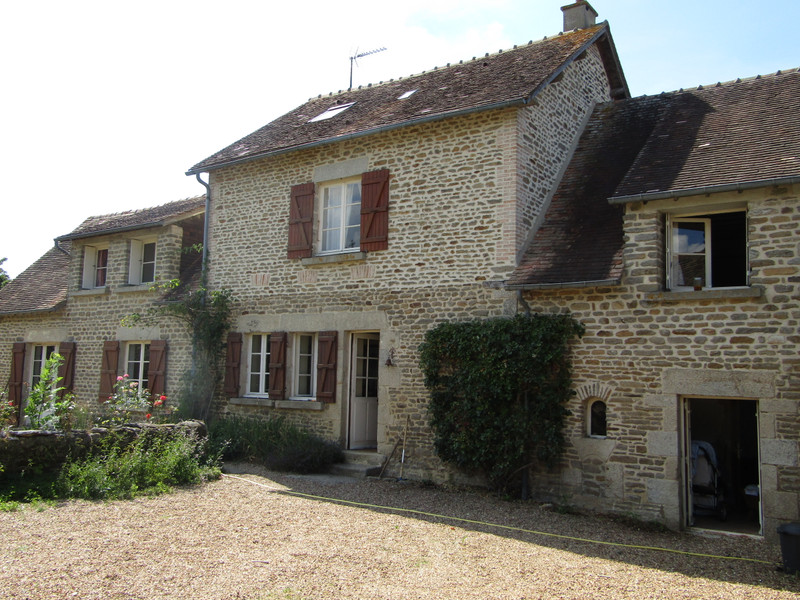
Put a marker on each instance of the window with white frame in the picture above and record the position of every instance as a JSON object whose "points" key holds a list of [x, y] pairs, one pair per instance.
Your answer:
{"points": [[707, 250], [304, 365], [95, 267], [340, 216], [41, 354], [137, 363], [142, 268], [258, 365]]}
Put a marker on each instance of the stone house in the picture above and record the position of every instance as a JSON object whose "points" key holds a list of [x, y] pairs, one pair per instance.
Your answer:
{"points": [[73, 299], [673, 237], [526, 180], [348, 227], [529, 180]]}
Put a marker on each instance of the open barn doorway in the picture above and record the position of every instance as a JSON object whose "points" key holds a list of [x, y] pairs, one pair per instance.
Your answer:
{"points": [[721, 465]]}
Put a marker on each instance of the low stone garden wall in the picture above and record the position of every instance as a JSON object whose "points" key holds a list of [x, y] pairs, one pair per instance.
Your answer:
{"points": [[48, 450]]}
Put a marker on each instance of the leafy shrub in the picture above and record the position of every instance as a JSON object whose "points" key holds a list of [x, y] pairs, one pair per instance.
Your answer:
{"points": [[498, 389], [275, 442], [49, 405], [151, 463]]}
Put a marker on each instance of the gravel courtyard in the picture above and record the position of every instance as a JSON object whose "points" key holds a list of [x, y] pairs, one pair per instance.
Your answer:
{"points": [[238, 538]]}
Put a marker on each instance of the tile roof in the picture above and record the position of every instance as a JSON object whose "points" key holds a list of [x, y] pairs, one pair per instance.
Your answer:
{"points": [[580, 239], [505, 78], [729, 133], [40, 287], [136, 219]]}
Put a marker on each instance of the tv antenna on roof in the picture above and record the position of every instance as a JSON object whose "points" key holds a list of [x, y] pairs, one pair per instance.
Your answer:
{"points": [[354, 59]]}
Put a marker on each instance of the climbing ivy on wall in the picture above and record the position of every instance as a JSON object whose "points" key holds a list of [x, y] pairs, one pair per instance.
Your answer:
{"points": [[498, 390]]}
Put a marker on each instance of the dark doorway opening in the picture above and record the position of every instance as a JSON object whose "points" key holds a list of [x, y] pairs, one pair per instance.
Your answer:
{"points": [[724, 465]]}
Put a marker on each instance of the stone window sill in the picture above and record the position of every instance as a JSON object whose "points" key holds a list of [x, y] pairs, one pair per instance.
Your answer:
{"points": [[141, 287], [287, 404], [330, 259], [91, 292], [708, 294], [299, 404], [263, 402]]}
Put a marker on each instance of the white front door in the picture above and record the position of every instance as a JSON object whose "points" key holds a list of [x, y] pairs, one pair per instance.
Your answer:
{"points": [[364, 391]]}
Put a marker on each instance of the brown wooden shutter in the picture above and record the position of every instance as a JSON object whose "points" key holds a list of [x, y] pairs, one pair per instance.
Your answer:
{"points": [[17, 377], [301, 215], [326, 366], [375, 210], [108, 369], [277, 365], [157, 370], [67, 369], [233, 362]]}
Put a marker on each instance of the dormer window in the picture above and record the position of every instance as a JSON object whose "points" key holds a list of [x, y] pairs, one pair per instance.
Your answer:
{"points": [[142, 267], [95, 267], [331, 112]]}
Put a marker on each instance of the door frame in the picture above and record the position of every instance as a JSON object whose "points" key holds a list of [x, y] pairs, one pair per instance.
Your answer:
{"points": [[351, 381], [685, 413]]}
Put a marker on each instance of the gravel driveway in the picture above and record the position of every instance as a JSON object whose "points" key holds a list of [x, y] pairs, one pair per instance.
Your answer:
{"points": [[237, 538]]}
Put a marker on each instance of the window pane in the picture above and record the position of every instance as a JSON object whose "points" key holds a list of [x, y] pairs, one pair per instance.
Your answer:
{"points": [[149, 252], [688, 267], [100, 270], [689, 238], [148, 272], [353, 239]]}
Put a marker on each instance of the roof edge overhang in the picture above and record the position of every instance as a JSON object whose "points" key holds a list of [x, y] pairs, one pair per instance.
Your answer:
{"points": [[602, 31], [33, 311], [708, 189], [562, 285], [161, 223]]}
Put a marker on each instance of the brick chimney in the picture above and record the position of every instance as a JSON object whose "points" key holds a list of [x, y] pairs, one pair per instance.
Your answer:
{"points": [[579, 15]]}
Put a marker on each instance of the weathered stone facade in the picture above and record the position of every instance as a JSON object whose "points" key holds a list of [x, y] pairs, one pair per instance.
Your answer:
{"points": [[464, 194], [646, 352], [90, 317]]}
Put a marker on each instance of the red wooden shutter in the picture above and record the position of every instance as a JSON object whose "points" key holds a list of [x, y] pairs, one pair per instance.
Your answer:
{"points": [[157, 370], [326, 367], [233, 364], [301, 215], [108, 369], [67, 369], [17, 376], [277, 365], [375, 210]]}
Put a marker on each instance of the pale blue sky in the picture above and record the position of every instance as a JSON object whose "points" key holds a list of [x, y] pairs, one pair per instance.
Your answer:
{"points": [[105, 105]]}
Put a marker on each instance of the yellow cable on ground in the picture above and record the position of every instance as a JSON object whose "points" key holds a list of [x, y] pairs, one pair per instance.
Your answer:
{"points": [[507, 527]]}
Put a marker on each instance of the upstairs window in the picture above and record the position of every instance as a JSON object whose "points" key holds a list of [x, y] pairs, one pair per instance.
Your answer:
{"points": [[142, 268], [340, 217], [95, 267], [707, 251]]}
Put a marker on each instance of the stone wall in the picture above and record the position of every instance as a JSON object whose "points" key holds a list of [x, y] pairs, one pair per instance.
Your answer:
{"points": [[464, 194], [646, 349], [91, 317]]}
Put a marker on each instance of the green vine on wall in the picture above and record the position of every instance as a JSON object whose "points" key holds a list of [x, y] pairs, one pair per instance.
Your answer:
{"points": [[206, 316], [498, 391]]}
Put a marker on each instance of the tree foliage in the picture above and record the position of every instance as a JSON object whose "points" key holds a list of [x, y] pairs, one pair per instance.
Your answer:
{"points": [[4, 278], [498, 391]]}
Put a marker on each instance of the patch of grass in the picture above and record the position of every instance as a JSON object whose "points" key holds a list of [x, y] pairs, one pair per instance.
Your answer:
{"points": [[275, 443]]}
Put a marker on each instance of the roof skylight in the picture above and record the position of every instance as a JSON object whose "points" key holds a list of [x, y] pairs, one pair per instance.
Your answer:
{"points": [[406, 95], [331, 112]]}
